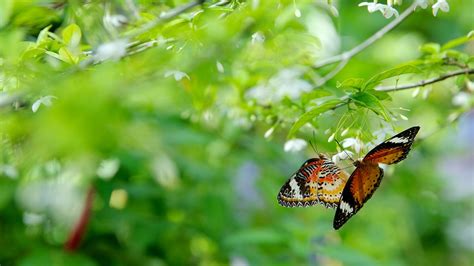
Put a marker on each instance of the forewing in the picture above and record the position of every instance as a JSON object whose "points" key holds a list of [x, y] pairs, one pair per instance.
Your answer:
{"points": [[359, 188], [394, 149], [318, 180]]}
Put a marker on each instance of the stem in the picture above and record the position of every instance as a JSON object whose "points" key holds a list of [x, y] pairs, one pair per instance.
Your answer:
{"points": [[426, 82], [347, 55], [165, 16]]}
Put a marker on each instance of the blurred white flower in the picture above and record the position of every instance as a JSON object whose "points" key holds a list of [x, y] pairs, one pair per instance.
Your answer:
{"points": [[343, 155], [111, 51], [387, 10], [45, 100], [9, 171], [178, 75], [371, 6], [258, 37], [295, 145], [269, 132], [165, 171], [286, 83], [415, 92], [220, 67], [31, 218], [108, 168], [114, 21], [297, 13], [344, 132], [403, 117], [441, 4], [461, 99], [331, 138], [422, 3], [355, 143], [239, 261]]}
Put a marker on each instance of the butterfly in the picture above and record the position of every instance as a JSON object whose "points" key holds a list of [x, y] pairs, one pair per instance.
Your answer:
{"points": [[318, 180], [367, 176]]}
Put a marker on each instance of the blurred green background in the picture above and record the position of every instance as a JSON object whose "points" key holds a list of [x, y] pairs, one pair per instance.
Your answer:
{"points": [[171, 136]]}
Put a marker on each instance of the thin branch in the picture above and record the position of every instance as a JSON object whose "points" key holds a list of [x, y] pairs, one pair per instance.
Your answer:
{"points": [[331, 74], [345, 56], [426, 82], [165, 16]]}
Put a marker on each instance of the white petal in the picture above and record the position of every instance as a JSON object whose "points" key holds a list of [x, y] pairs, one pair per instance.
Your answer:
{"points": [[295, 145], [269, 132], [36, 105]]}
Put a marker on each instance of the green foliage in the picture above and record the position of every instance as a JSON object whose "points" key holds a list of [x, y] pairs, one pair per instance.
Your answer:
{"points": [[178, 124]]}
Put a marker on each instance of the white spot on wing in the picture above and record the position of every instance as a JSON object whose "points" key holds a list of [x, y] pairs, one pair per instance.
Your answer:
{"points": [[345, 207], [399, 140], [295, 189]]}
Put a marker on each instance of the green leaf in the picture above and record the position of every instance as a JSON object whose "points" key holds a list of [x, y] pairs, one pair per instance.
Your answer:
{"points": [[43, 35], [67, 56], [397, 71], [457, 42], [370, 101], [314, 94], [430, 48], [308, 116], [6, 7], [351, 83], [72, 35]]}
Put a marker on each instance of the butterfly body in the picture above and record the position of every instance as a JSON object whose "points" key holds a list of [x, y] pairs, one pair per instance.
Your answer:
{"points": [[367, 176], [318, 181]]}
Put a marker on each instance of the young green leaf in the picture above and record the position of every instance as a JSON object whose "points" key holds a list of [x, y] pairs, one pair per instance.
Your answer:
{"points": [[72, 35], [370, 101], [397, 71], [308, 116], [351, 83]]}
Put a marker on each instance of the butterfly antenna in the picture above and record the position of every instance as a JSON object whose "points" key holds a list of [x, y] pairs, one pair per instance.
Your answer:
{"points": [[312, 145], [348, 155]]}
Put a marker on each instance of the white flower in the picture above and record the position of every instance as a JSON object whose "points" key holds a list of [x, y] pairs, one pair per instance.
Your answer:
{"points": [[258, 37], [108, 168], [9, 171], [286, 83], [422, 3], [371, 6], [331, 138], [297, 13], [387, 10], [441, 4], [461, 99], [269, 132], [343, 155], [111, 50], [45, 100], [344, 132], [178, 75], [220, 67], [355, 143], [295, 145]]}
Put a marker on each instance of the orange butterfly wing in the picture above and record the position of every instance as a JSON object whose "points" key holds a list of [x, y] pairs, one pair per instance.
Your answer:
{"points": [[394, 149], [318, 180], [359, 188], [367, 176]]}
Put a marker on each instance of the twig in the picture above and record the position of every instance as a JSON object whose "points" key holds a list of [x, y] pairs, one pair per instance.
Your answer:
{"points": [[345, 56], [165, 16], [425, 82]]}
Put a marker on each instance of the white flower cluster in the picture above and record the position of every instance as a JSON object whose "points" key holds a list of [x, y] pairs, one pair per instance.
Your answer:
{"points": [[286, 83], [388, 11]]}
